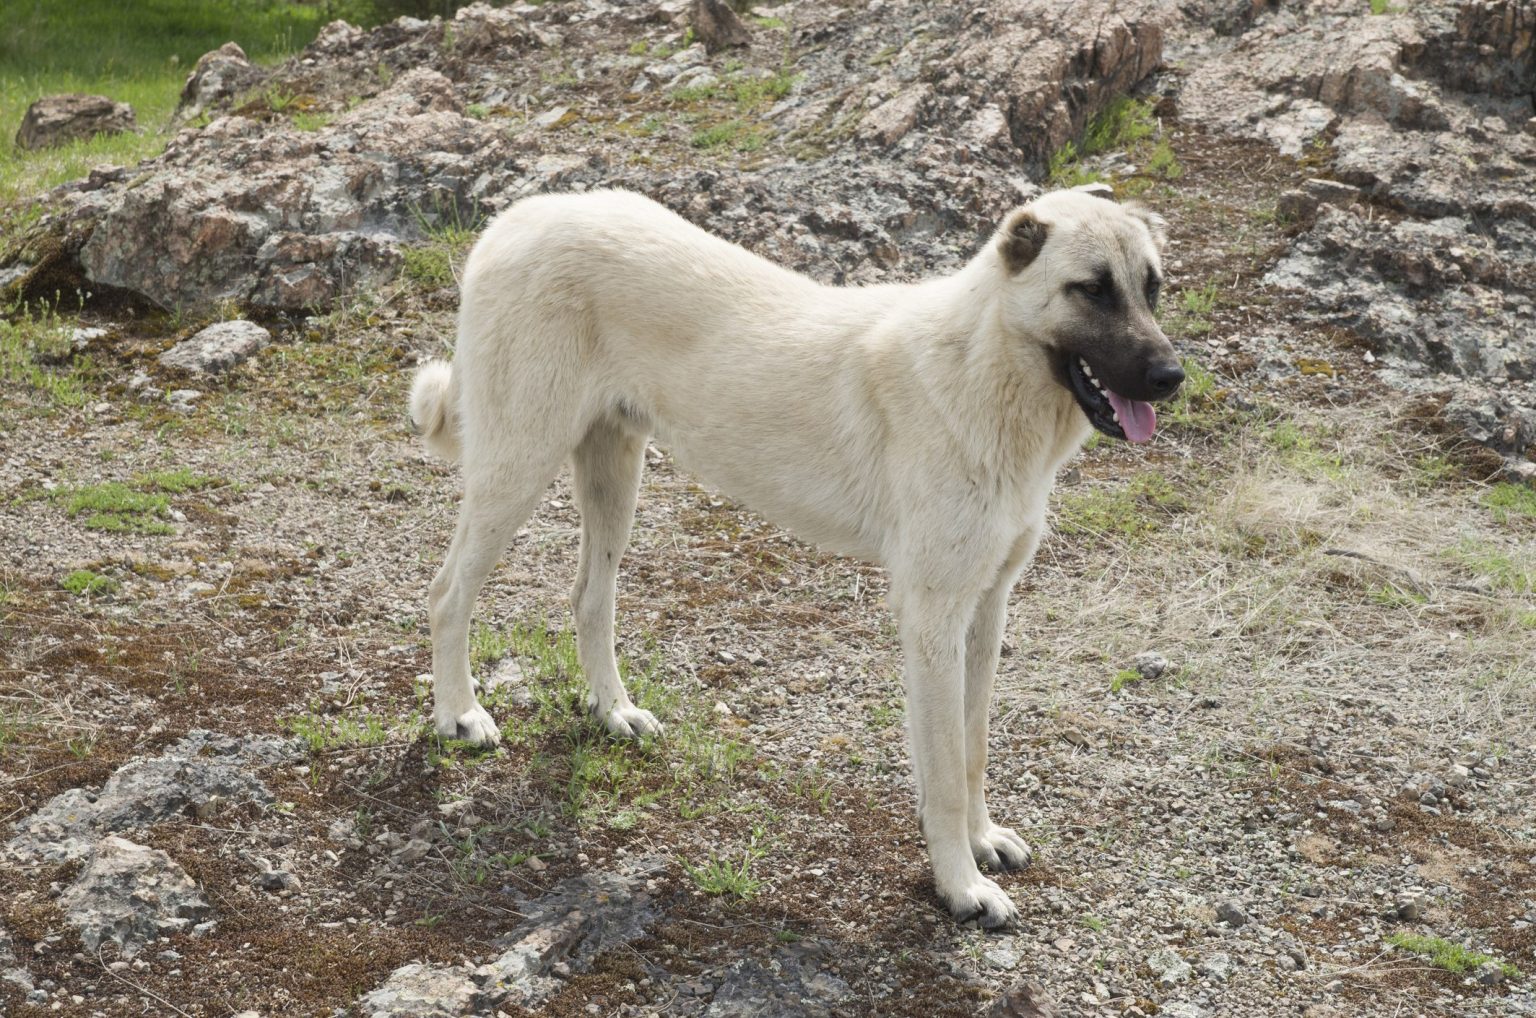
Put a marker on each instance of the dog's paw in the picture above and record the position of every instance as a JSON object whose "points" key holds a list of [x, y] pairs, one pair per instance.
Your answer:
{"points": [[982, 902], [999, 849], [474, 725], [630, 723]]}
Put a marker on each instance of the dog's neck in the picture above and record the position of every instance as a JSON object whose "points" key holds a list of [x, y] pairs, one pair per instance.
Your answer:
{"points": [[997, 395]]}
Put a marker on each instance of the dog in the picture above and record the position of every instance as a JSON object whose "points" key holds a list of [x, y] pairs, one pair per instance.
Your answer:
{"points": [[916, 426]]}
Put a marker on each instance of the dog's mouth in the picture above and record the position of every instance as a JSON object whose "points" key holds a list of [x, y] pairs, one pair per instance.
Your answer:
{"points": [[1116, 416]]}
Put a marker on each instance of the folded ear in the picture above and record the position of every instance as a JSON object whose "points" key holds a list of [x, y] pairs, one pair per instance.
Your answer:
{"points": [[1156, 224], [1021, 239], [1098, 189]]}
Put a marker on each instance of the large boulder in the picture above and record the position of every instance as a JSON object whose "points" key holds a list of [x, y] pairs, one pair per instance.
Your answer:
{"points": [[59, 119], [218, 76]]}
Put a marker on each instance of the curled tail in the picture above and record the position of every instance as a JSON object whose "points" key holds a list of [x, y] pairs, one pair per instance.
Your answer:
{"points": [[435, 408]]}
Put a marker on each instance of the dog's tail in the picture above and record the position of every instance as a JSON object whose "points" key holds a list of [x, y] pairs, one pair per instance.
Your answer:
{"points": [[435, 408]]}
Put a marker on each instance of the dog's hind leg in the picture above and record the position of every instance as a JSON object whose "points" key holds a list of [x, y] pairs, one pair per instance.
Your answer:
{"points": [[607, 467], [496, 502]]}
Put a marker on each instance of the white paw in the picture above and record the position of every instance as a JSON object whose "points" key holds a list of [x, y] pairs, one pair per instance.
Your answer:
{"points": [[474, 725], [999, 848], [630, 722], [981, 901]]}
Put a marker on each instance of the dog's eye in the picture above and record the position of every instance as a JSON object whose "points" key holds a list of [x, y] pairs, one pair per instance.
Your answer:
{"points": [[1094, 289], [1152, 290]]}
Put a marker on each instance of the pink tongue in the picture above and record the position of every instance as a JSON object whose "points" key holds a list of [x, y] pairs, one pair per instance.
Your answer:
{"points": [[1137, 419]]}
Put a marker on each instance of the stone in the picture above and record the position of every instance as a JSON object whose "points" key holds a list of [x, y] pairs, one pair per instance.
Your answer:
{"points": [[129, 895], [1149, 664], [1024, 999], [1295, 205], [59, 119], [277, 880], [1231, 913], [217, 348], [141, 793], [1168, 968], [717, 26], [218, 76], [1217, 967], [1491, 973]]}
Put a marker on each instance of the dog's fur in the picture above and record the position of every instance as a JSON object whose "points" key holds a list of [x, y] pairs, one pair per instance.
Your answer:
{"points": [[918, 426]]}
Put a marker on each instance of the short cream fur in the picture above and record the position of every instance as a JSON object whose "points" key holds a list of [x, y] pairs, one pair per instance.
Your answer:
{"points": [[916, 426]]}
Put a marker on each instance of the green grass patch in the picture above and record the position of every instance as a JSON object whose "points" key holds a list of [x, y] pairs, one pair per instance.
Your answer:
{"points": [[1502, 570], [37, 355], [737, 134], [1123, 679], [1138, 508], [179, 481], [84, 583], [1510, 501], [722, 875], [1128, 124], [138, 53], [117, 508], [1390, 595], [1448, 955], [323, 733], [601, 781]]}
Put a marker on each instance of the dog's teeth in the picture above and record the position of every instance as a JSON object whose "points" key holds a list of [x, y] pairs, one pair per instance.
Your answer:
{"points": [[1086, 369]]}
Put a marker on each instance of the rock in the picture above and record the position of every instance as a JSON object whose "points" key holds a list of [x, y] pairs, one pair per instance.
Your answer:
{"points": [[1491, 973], [1002, 957], [10, 970], [1217, 967], [568, 927], [1331, 192], [1149, 664], [1168, 968], [219, 75], [129, 895], [141, 793], [277, 880], [1231, 913], [1421, 111], [1182, 1009], [1024, 999], [253, 209], [891, 121], [717, 26], [59, 119], [217, 348], [796, 982]]}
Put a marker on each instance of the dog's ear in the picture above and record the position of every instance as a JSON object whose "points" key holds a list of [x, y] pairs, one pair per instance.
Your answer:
{"points": [[1021, 239], [1156, 224], [1098, 189]]}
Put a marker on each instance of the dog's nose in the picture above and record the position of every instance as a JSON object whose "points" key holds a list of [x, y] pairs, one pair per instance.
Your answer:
{"points": [[1164, 379]]}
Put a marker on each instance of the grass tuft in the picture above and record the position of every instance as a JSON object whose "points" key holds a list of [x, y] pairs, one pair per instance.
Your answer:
{"points": [[1448, 954]]}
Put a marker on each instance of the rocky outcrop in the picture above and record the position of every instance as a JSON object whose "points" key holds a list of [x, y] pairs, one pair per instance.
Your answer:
{"points": [[129, 895], [1427, 111], [59, 119], [368, 141], [567, 928], [201, 772]]}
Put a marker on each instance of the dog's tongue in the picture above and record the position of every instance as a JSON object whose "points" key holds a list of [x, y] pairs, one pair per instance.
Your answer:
{"points": [[1137, 419]]}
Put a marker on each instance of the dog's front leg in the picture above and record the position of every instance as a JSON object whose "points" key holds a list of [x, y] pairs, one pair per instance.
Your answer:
{"points": [[933, 637], [998, 848]]}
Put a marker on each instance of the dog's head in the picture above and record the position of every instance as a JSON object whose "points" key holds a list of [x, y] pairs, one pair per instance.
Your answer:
{"points": [[1084, 274]]}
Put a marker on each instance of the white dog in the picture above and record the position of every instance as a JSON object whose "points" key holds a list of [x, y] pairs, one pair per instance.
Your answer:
{"points": [[917, 426]]}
